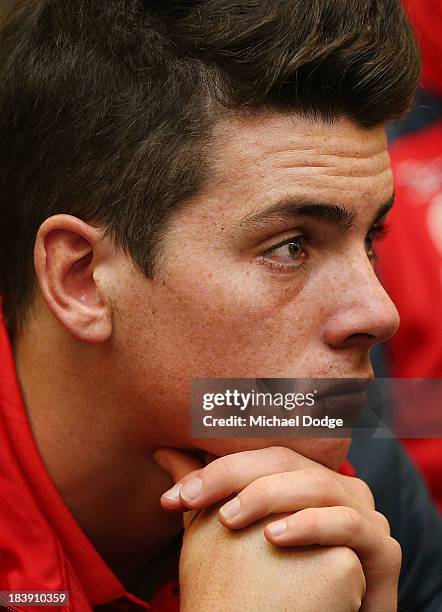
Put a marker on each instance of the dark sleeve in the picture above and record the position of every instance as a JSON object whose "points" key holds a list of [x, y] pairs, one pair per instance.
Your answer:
{"points": [[402, 497]]}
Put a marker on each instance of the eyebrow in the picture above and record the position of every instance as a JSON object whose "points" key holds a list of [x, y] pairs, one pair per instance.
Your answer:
{"points": [[290, 208]]}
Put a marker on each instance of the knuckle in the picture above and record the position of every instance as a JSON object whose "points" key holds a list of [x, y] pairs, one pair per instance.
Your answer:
{"points": [[222, 466], [348, 562], [395, 552], [345, 569], [363, 491], [310, 519], [320, 478], [382, 522], [357, 602], [221, 471], [322, 486], [261, 488], [352, 519], [282, 454]]}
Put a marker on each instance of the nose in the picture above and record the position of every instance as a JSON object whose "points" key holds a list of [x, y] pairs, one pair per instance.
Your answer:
{"points": [[362, 313]]}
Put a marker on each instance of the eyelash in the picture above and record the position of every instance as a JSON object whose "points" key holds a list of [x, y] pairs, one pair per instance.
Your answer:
{"points": [[376, 233], [300, 240]]}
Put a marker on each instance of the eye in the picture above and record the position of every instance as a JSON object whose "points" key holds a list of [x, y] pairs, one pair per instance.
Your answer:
{"points": [[376, 233], [285, 256]]}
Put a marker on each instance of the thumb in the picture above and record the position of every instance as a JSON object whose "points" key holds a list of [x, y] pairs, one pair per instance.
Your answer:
{"points": [[176, 463]]}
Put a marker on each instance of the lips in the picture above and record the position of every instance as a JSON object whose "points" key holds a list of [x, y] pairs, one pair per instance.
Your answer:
{"points": [[321, 387], [345, 386], [342, 398]]}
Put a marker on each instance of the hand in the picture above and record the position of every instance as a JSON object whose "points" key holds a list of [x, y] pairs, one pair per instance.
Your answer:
{"points": [[239, 571], [331, 509]]}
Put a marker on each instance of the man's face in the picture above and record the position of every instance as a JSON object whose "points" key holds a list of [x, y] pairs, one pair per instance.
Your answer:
{"points": [[268, 272]]}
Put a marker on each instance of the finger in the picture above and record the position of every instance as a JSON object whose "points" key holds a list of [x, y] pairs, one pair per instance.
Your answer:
{"points": [[170, 499], [288, 492], [343, 526], [176, 463], [232, 473], [181, 466]]}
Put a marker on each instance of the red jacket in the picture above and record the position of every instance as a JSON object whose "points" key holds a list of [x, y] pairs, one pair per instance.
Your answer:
{"points": [[42, 548]]}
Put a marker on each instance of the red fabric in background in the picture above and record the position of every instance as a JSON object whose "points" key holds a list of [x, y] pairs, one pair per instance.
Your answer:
{"points": [[410, 266], [410, 257], [426, 16]]}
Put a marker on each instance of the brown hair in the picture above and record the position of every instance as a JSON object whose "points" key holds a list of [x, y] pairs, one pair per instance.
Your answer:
{"points": [[106, 104]]}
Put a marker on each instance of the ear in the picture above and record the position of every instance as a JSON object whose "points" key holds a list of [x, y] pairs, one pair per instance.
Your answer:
{"points": [[69, 260]]}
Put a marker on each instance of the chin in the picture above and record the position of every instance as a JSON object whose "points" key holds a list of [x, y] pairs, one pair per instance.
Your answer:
{"points": [[330, 452]]}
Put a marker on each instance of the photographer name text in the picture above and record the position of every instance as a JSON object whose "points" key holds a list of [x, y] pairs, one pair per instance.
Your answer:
{"points": [[272, 421]]}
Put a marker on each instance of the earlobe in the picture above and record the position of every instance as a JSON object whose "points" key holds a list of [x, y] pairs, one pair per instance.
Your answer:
{"points": [[68, 268]]}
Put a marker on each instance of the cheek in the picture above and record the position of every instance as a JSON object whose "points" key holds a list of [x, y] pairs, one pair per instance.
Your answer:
{"points": [[224, 326], [236, 326]]}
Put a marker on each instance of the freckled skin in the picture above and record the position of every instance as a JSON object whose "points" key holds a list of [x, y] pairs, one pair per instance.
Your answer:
{"points": [[220, 314], [216, 308]]}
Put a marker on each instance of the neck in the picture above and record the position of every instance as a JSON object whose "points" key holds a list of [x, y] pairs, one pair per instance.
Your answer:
{"points": [[89, 444]]}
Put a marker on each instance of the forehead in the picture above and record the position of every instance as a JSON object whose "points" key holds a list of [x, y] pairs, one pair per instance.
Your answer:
{"points": [[257, 159]]}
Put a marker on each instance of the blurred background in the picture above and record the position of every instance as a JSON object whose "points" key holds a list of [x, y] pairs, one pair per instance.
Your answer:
{"points": [[410, 257]]}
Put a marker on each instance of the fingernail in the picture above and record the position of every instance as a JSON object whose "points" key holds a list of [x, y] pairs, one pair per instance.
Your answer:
{"points": [[231, 509], [173, 493], [191, 489], [277, 528]]}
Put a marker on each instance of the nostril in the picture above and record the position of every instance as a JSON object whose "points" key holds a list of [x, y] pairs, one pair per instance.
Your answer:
{"points": [[360, 339]]}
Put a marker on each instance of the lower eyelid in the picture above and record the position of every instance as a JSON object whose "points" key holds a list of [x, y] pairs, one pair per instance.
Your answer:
{"points": [[278, 267]]}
